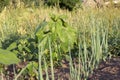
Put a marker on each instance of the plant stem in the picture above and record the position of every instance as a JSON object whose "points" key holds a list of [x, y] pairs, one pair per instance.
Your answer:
{"points": [[51, 60], [40, 77], [17, 76]]}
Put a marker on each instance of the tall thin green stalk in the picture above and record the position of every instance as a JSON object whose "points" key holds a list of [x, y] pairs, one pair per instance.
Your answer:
{"points": [[51, 59], [40, 51], [46, 69]]}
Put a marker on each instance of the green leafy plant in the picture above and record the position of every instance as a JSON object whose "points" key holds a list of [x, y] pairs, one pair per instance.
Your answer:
{"points": [[25, 48], [59, 32], [30, 69], [7, 58]]}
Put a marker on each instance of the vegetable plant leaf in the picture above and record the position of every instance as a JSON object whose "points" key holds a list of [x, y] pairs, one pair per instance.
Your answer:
{"points": [[8, 57], [39, 27], [12, 46]]}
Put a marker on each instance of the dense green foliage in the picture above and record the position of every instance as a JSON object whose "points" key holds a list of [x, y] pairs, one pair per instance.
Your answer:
{"points": [[68, 4], [114, 46], [25, 48], [29, 3], [3, 3]]}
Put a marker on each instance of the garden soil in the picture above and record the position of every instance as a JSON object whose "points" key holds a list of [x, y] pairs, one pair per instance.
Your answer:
{"points": [[107, 70]]}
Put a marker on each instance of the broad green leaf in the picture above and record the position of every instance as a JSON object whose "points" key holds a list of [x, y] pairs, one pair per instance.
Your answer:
{"points": [[7, 57], [63, 17], [20, 47], [40, 27], [12, 46], [43, 42], [27, 49], [62, 36]]}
